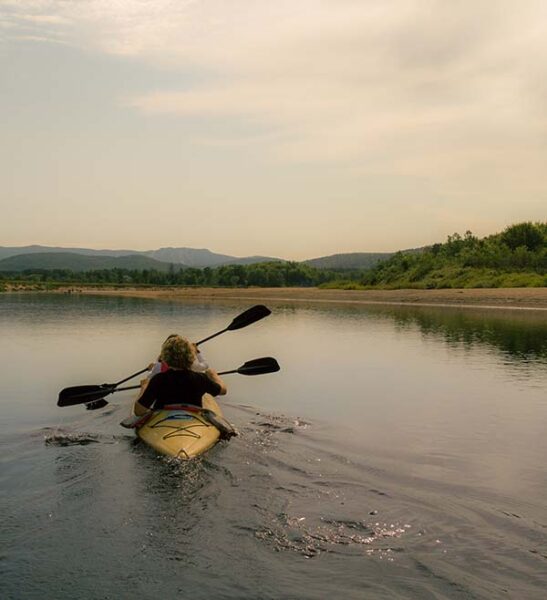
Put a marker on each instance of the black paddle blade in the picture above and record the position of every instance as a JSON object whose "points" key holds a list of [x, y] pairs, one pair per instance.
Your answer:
{"points": [[96, 404], [82, 394], [252, 315], [259, 366]]}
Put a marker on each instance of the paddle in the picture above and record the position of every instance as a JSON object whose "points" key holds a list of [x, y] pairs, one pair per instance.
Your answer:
{"points": [[251, 315], [95, 396], [258, 366], [73, 395]]}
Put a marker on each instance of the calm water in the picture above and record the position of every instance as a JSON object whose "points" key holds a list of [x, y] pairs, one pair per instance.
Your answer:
{"points": [[400, 453]]}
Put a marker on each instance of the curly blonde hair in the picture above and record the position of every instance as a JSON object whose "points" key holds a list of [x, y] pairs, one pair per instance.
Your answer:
{"points": [[177, 352]]}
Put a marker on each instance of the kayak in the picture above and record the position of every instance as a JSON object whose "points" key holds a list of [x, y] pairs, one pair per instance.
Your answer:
{"points": [[183, 431]]}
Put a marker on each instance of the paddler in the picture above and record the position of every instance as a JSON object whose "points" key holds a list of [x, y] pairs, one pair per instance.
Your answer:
{"points": [[179, 383], [199, 365]]}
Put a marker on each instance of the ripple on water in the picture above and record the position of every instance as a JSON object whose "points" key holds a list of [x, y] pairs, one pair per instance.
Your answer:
{"points": [[70, 439], [295, 533], [308, 501], [60, 436]]}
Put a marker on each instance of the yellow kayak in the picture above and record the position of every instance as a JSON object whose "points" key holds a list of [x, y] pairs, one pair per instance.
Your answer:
{"points": [[183, 431]]}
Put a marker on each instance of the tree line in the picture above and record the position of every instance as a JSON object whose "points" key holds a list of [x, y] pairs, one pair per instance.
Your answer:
{"points": [[513, 258], [270, 274]]}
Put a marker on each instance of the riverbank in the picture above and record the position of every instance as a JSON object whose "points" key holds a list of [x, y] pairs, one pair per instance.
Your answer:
{"points": [[506, 298]]}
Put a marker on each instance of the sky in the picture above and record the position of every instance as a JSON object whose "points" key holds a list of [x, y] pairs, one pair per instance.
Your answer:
{"points": [[294, 128]]}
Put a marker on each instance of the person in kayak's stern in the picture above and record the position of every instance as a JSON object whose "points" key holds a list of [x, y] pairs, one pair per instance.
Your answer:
{"points": [[159, 366], [179, 383]]}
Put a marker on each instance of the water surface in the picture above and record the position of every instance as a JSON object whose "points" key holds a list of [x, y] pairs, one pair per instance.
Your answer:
{"points": [[400, 453]]}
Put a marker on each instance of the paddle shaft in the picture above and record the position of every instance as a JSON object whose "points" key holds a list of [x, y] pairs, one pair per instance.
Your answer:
{"points": [[106, 392], [131, 376], [127, 387], [251, 315], [211, 336]]}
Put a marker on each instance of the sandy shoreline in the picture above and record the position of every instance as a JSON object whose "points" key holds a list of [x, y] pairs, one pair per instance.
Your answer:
{"points": [[498, 298]]}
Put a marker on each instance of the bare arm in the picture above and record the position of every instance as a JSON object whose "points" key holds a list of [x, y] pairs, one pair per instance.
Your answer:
{"points": [[138, 408], [214, 376]]}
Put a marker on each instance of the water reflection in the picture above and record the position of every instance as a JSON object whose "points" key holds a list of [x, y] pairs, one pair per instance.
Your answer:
{"points": [[519, 336]]}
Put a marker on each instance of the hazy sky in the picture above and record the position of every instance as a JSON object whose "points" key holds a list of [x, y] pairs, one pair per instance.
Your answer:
{"points": [[291, 128]]}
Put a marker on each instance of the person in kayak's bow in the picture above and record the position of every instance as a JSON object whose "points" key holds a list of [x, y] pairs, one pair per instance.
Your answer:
{"points": [[179, 383]]}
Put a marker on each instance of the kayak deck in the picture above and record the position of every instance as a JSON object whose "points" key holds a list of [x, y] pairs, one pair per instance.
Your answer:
{"points": [[182, 431]]}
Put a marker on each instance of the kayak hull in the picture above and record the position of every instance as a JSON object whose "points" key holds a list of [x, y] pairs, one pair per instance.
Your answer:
{"points": [[182, 431]]}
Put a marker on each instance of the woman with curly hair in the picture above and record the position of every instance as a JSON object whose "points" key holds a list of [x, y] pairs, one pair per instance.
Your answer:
{"points": [[179, 383], [159, 366]]}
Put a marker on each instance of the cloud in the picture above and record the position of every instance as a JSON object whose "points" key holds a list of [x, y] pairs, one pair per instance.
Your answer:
{"points": [[401, 85]]}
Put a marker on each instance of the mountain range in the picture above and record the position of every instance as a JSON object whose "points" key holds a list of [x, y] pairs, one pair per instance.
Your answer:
{"points": [[85, 259], [187, 257], [80, 262]]}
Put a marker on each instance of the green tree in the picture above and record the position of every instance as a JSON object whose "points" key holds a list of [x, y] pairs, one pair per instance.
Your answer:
{"points": [[523, 234]]}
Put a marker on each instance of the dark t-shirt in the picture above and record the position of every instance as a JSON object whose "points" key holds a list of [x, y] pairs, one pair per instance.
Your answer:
{"points": [[177, 387]]}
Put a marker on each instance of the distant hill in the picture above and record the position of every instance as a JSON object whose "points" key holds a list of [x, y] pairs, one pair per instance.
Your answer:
{"points": [[251, 260], [7, 251], [80, 262], [185, 257], [194, 257], [352, 260], [189, 257]]}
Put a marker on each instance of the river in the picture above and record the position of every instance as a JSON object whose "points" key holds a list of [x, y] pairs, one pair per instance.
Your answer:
{"points": [[399, 453]]}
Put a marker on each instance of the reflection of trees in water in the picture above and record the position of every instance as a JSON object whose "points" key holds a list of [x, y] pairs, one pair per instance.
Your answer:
{"points": [[519, 336]]}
